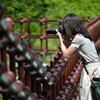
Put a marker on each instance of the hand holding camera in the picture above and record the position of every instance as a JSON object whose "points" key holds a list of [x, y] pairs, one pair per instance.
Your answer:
{"points": [[53, 30], [58, 33]]}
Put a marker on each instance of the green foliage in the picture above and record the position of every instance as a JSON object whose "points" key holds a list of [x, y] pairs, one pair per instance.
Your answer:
{"points": [[79, 7], [53, 9]]}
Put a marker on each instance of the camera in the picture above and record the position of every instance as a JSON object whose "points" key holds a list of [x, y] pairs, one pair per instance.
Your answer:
{"points": [[53, 31]]}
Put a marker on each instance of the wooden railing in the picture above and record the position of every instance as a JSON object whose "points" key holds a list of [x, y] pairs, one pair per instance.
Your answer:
{"points": [[31, 80]]}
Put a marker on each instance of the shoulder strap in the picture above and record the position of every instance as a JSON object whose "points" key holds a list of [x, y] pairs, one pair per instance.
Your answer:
{"points": [[86, 69], [88, 73]]}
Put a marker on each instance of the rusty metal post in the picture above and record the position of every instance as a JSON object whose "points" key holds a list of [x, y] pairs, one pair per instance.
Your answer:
{"points": [[21, 23], [41, 31], [13, 24], [27, 75], [52, 88], [46, 38], [58, 87], [11, 53], [20, 59], [12, 63], [46, 93], [4, 57], [29, 31], [53, 92], [21, 71], [29, 25], [39, 88], [33, 81], [61, 20]]}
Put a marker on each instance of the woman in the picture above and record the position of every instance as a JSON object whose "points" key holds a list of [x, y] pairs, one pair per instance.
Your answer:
{"points": [[82, 44]]}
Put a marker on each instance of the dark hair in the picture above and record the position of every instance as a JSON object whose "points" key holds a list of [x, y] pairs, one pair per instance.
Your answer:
{"points": [[74, 25]]}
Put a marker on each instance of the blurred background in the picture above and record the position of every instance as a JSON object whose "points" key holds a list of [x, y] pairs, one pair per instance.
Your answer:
{"points": [[52, 9]]}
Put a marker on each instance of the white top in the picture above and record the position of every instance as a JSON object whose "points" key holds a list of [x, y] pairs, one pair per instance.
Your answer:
{"points": [[85, 48]]}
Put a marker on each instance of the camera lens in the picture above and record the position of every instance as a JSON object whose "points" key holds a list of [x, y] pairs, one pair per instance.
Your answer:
{"points": [[53, 31]]}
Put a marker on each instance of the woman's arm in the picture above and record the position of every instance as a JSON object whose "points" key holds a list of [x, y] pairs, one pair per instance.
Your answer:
{"points": [[66, 51]]}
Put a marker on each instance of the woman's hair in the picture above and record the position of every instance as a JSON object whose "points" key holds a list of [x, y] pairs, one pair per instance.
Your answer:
{"points": [[74, 25]]}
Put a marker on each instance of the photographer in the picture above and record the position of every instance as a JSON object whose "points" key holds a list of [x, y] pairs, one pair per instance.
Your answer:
{"points": [[82, 44]]}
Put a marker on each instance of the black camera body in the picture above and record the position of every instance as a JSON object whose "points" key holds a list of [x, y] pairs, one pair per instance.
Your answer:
{"points": [[53, 31]]}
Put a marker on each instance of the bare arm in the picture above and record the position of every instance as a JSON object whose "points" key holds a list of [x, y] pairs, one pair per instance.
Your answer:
{"points": [[66, 51]]}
